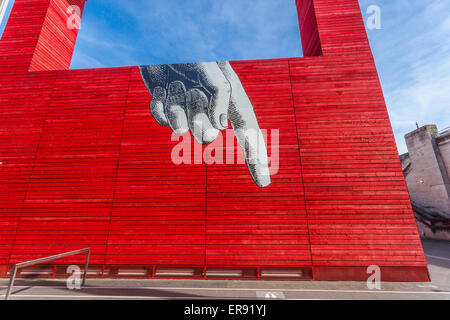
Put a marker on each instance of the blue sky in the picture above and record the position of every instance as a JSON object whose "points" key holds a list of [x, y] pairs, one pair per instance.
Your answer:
{"points": [[412, 50]]}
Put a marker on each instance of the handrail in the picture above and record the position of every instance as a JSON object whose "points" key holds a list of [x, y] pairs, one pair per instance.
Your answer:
{"points": [[47, 259]]}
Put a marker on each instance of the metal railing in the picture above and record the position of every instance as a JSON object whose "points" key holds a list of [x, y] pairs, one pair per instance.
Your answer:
{"points": [[47, 259]]}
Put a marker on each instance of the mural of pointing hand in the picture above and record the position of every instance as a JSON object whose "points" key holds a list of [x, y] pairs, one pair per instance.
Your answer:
{"points": [[202, 98]]}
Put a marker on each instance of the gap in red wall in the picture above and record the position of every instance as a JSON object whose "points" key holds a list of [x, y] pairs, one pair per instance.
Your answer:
{"points": [[118, 33]]}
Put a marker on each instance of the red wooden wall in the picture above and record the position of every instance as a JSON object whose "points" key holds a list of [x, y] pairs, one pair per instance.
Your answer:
{"points": [[85, 165]]}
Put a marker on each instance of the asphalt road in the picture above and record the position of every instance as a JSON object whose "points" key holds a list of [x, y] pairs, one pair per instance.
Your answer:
{"points": [[437, 252]]}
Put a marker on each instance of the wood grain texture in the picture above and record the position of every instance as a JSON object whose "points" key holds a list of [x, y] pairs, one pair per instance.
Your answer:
{"points": [[84, 164]]}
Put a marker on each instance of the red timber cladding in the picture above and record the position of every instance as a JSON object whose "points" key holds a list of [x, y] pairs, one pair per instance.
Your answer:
{"points": [[69, 197], [85, 164], [358, 205], [56, 41], [158, 216], [23, 107], [36, 37], [357, 202]]}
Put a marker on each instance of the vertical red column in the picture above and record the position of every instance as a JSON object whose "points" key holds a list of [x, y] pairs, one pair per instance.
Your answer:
{"points": [[37, 36]]}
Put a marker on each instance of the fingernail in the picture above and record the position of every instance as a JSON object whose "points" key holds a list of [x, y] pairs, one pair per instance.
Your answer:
{"points": [[224, 120]]}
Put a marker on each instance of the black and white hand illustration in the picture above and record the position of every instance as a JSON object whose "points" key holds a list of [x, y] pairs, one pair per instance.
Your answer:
{"points": [[202, 98]]}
